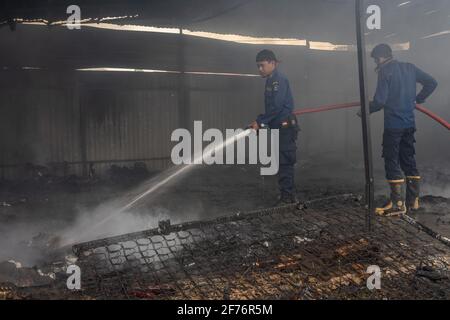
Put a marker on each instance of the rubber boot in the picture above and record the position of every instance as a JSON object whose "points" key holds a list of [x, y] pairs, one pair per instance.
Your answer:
{"points": [[412, 193], [395, 206], [286, 199]]}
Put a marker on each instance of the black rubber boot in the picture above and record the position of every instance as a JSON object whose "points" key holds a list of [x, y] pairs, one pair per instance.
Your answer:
{"points": [[412, 193]]}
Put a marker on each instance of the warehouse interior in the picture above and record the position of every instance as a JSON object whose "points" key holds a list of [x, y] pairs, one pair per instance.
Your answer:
{"points": [[87, 114]]}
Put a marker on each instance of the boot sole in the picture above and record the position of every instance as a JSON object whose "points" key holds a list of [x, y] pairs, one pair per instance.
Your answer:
{"points": [[392, 214]]}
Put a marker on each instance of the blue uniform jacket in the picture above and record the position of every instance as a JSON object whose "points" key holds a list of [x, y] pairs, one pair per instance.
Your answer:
{"points": [[396, 93], [278, 101]]}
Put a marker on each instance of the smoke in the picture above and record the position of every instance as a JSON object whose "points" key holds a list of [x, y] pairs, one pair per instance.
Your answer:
{"points": [[436, 179], [38, 243], [116, 217], [16, 242], [107, 220]]}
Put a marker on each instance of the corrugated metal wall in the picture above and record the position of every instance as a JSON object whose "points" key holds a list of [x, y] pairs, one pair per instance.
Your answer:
{"points": [[38, 126], [129, 124], [225, 102], [115, 117]]}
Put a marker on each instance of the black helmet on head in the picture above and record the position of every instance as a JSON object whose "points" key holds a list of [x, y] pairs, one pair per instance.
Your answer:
{"points": [[381, 51], [266, 55]]}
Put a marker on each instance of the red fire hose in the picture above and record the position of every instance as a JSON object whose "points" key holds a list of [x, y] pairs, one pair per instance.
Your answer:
{"points": [[433, 116], [327, 107], [357, 104]]}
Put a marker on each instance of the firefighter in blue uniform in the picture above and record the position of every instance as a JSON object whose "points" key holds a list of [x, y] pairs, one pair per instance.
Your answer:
{"points": [[396, 95], [279, 105]]}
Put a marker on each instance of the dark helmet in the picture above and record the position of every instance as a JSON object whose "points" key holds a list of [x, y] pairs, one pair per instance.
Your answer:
{"points": [[266, 55], [381, 51]]}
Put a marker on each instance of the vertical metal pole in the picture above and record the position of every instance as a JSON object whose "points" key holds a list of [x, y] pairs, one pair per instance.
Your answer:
{"points": [[183, 91], [360, 26], [78, 97]]}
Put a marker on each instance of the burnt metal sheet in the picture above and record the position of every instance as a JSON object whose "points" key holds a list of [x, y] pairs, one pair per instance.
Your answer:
{"points": [[321, 251]]}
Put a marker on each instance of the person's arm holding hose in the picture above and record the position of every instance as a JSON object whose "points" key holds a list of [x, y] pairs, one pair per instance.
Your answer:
{"points": [[381, 94], [275, 104]]}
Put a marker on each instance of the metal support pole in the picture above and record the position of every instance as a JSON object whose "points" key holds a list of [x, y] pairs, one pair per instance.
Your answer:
{"points": [[78, 100], [360, 23], [183, 90]]}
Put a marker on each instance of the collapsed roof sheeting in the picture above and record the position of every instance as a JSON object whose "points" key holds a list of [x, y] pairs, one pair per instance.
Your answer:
{"points": [[324, 20], [315, 21], [168, 12], [286, 18]]}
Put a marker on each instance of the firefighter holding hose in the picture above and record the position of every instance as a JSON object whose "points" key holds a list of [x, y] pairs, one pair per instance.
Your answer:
{"points": [[279, 106], [396, 94]]}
